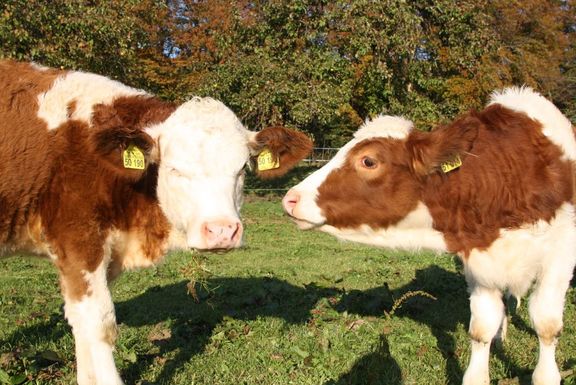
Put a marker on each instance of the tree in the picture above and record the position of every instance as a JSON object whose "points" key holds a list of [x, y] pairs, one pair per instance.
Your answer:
{"points": [[322, 66], [98, 36]]}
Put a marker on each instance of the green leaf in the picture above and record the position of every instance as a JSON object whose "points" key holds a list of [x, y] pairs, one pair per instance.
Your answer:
{"points": [[4, 377], [51, 355], [18, 379]]}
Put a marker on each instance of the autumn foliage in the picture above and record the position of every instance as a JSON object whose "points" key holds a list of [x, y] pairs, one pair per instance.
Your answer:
{"points": [[321, 66]]}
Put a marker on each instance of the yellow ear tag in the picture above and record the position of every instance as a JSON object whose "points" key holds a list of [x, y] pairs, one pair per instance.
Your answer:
{"points": [[133, 158], [266, 160], [452, 164]]}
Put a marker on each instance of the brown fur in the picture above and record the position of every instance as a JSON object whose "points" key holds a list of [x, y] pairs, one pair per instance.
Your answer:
{"points": [[379, 197], [511, 175], [63, 190], [84, 200], [288, 146], [24, 140]]}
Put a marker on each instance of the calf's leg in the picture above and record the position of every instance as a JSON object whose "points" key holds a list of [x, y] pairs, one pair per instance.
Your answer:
{"points": [[90, 312], [487, 314], [546, 308]]}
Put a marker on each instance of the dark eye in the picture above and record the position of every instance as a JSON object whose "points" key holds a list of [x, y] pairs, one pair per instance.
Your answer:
{"points": [[369, 162]]}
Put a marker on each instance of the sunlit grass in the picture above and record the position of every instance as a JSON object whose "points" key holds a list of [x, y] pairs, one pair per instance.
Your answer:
{"points": [[290, 307]]}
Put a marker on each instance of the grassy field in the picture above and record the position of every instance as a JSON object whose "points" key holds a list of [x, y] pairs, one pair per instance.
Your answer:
{"points": [[289, 308]]}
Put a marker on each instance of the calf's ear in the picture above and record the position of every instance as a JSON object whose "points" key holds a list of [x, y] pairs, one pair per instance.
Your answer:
{"points": [[121, 147], [444, 148], [277, 149]]}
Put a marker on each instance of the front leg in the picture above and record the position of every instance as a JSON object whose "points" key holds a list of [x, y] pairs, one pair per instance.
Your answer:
{"points": [[90, 312]]}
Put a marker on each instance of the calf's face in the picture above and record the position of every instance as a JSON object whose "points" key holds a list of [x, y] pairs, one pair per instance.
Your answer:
{"points": [[368, 182], [372, 190], [202, 151]]}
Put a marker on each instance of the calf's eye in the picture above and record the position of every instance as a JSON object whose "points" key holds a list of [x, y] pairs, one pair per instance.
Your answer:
{"points": [[368, 162]]}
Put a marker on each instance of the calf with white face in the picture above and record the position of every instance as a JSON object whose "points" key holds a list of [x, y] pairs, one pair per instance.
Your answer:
{"points": [[101, 177], [494, 187]]}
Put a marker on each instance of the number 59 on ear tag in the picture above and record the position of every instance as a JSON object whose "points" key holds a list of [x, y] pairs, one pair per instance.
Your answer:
{"points": [[452, 164], [133, 158], [266, 160]]}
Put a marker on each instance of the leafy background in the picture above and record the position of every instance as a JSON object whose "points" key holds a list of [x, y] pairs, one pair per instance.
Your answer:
{"points": [[320, 66]]}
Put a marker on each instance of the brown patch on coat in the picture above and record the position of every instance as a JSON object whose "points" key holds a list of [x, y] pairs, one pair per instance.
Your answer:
{"points": [[548, 330], [122, 123], [289, 146], [514, 176], [511, 175], [378, 196], [65, 190], [26, 154], [91, 195], [70, 109]]}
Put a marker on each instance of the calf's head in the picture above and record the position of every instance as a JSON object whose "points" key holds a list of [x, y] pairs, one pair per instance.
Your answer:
{"points": [[375, 181], [200, 150]]}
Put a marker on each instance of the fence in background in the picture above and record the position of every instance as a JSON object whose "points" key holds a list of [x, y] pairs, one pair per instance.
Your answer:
{"points": [[318, 157]]}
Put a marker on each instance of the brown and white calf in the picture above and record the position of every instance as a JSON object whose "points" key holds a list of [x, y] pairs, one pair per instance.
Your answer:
{"points": [[495, 187], [101, 177]]}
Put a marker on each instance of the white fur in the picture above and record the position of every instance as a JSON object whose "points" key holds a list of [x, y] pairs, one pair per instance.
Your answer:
{"points": [[546, 371], [555, 125], [487, 315], [477, 372], [413, 232], [39, 67], [543, 252], [519, 256], [86, 90], [385, 126], [93, 321], [203, 149]]}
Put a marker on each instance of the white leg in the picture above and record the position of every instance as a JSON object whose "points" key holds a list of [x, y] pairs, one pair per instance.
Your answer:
{"points": [[84, 366], [546, 308], [94, 326], [503, 332], [487, 311]]}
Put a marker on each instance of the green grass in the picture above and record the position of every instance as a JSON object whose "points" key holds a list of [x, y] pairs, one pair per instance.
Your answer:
{"points": [[289, 308]]}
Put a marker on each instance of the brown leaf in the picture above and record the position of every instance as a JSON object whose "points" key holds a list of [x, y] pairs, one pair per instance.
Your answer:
{"points": [[355, 325]]}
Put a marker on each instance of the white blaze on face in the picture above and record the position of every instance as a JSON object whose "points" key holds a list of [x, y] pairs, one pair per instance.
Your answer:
{"points": [[300, 201], [203, 150]]}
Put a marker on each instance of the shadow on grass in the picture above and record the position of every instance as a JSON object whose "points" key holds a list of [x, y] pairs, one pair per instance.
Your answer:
{"points": [[249, 298], [378, 367], [192, 323], [442, 315]]}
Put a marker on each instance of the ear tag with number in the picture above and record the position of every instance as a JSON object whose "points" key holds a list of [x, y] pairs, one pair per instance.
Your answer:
{"points": [[133, 157], [266, 160], [451, 164]]}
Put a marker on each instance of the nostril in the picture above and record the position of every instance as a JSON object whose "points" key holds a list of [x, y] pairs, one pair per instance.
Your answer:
{"points": [[237, 233], [222, 233], [290, 201]]}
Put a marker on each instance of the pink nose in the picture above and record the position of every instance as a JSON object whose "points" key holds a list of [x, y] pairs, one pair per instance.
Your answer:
{"points": [[290, 201], [222, 234]]}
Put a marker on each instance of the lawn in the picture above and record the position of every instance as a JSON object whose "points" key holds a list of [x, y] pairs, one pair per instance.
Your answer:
{"points": [[290, 307]]}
